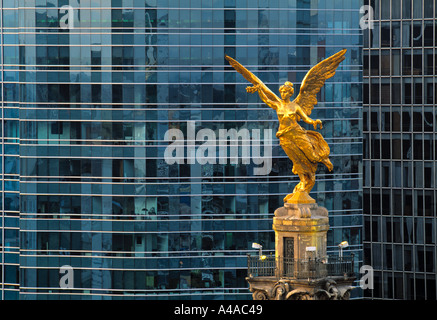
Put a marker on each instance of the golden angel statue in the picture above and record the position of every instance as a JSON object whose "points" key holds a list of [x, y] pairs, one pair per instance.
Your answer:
{"points": [[305, 148]]}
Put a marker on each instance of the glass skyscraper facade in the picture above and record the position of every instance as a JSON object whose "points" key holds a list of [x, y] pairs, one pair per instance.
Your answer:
{"points": [[87, 101], [399, 149], [10, 163]]}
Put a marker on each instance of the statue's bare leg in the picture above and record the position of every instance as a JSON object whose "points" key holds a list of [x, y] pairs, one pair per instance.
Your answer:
{"points": [[299, 187], [310, 181], [306, 183]]}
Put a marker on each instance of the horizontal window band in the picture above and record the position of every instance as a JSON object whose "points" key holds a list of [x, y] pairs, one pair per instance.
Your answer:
{"points": [[74, 148], [184, 180], [103, 257], [159, 217], [170, 31], [155, 158], [185, 185], [144, 232], [199, 106], [160, 225], [290, 180], [152, 293], [234, 32], [171, 121], [25, 141], [173, 195], [63, 291], [168, 69], [136, 295], [198, 252], [138, 83], [165, 232], [189, 46], [157, 7], [189, 218], [11, 285]]}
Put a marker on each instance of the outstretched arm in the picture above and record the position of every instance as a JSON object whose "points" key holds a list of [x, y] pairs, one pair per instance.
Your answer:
{"points": [[263, 96], [264, 92], [307, 119]]}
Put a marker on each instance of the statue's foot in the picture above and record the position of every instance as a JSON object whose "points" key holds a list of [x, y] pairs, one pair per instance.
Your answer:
{"points": [[328, 164], [287, 197], [299, 197]]}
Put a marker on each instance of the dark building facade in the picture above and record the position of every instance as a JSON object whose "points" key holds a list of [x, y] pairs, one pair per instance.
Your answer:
{"points": [[10, 162], [399, 187], [87, 101]]}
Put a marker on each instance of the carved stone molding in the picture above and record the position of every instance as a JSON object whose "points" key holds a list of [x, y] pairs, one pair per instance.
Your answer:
{"points": [[293, 211], [270, 288]]}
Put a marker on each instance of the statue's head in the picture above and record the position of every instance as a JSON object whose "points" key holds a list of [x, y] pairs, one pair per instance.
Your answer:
{"points": [[286, 90]]}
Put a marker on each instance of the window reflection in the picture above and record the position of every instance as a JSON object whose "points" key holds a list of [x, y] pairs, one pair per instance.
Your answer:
{"points": [[92, 146]]}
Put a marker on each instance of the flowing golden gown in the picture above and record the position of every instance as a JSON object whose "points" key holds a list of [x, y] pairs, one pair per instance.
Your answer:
{"points": [[305, 148]]}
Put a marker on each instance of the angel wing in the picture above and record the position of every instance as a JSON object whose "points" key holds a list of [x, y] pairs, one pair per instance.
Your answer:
{"points": [[249, 76], [315, 79]]}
